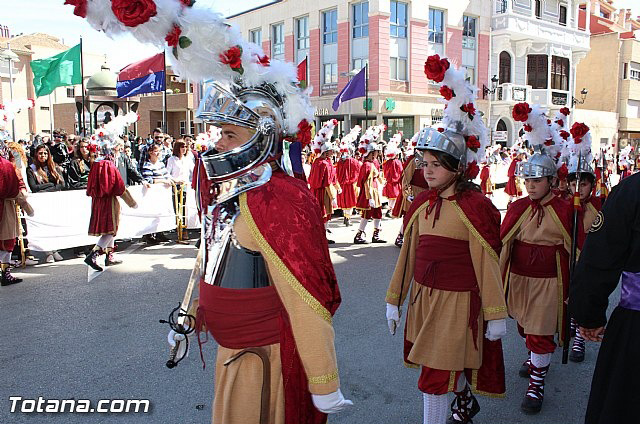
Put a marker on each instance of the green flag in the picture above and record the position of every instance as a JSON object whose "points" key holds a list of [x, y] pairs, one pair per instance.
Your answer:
{"points": [[57, 71]]}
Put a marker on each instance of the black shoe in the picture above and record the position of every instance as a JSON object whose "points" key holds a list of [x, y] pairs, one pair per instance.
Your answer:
{"points": [[524, 369], [110, 260], [576, 356], [149, 240], [329, 241], [345, 221], [531, 405], [160, 237], [376, 237], [358, 239], [464, 407], [388, 214], [91, 260], [197, 245], [7, 278], [399, 240]]}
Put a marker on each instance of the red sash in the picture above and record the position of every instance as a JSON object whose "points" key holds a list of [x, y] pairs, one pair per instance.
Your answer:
{"points": [[534, 260]]}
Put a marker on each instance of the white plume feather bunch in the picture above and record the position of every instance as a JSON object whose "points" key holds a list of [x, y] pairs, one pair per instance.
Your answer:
{"points": [[322, 141], [9, 110]]}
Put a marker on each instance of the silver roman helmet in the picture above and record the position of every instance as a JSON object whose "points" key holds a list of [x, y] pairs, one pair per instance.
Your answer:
{"points": [[449, 142], [539, 165], [584, 168], [256, 108]]}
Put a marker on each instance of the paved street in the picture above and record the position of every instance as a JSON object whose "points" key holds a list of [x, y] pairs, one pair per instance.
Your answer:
{"points": [[66, 338]]}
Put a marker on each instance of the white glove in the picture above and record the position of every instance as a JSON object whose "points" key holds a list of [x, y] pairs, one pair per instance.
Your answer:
{"points": [[331, 403], [393, 317], [496, 329], [174, 337], [334, 204], [372, 203]]}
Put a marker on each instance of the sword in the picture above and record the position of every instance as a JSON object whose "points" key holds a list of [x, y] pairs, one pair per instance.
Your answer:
{"points": [[178, 325]]}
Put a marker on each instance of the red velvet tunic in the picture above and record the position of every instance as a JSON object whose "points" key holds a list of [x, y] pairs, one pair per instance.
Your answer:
{"points": [[485, 180], [392, 170], [512, 188], [322, 175], [347, 173], [104, 186]]}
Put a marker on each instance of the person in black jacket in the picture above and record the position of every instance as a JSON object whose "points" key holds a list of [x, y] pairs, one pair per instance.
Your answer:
{"points": [[128, 172], [44, 174], [611, 256], [80, 166]]}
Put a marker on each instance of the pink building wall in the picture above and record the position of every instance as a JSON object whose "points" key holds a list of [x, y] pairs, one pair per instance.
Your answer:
{"points": [[419, 35], [266, 47], [453, 46], [314, 60], [483, 62], [288, 48], [344, 53], [379, 53]]}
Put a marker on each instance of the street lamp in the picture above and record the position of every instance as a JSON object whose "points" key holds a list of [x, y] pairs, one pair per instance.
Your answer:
{"points": [[583, 97], [494, 85], [10, 56]]}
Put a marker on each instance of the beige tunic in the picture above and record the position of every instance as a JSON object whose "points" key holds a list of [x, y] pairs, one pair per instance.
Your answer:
{"points": [[238, 385], [536, 303], [438, 320], [9, 225], [407, 188]]}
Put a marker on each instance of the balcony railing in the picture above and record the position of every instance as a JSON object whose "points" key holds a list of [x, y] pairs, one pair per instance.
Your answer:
{"points": [[508, 92]]}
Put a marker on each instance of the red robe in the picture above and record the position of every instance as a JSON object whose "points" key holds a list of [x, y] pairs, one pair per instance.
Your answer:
{"points": [[511, 188], [392, 170], [104, 186], [322, 175], [347, 173], [485, 181]]}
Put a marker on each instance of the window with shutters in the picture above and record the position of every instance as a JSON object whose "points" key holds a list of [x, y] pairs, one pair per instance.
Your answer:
{"points": [[537, 68], [559, 73], [505, 68]]}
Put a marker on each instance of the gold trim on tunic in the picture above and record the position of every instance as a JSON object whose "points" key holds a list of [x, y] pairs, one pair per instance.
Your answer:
{"points": [[475, 232], [560, 298], [271, 255], [517, 225], [324, 379], [495, 309]]}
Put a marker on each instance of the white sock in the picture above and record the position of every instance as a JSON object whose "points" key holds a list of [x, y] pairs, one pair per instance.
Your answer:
{"points": [[363, 224], [392, 203], [105, 240], [436, 408], [540, 360], [376, 224], [5, 257]]}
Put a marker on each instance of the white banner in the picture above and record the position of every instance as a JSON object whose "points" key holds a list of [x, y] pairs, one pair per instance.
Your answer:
{"points": [[61, 219]]}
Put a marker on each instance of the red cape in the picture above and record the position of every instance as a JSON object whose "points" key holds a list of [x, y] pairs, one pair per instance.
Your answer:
{"points": [[485, 219], [291, 231], [347, 171], [320, 177], [392, 170], [9, 183], [103, 185], [511, 189]]}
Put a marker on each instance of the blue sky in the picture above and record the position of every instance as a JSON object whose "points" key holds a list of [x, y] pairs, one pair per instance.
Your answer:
{"points": [[53, 17]]}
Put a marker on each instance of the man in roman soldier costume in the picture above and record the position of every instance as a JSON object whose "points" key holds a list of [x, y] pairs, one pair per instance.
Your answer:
{"points": [[413, 183], [448, 265], [610, 257], [514, 187], [369, 180], [322, 178], [392, 171], [347, 170], [536, 243], [12, 192]]}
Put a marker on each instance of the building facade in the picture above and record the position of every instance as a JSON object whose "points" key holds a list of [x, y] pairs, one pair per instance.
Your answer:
{"points": [[611, 72], [393, 37]]}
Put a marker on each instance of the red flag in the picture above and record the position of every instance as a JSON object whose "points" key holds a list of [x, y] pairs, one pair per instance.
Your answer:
{"points": [[302, 73]]}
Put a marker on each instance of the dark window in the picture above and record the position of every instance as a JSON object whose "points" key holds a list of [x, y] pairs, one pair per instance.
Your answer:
{"points": [[436, 26], [537, 67], [538, 7], [505, 68], [563, 15], [361, 19], [398, 24], [330, 27], [559, 73], [469, 26]]}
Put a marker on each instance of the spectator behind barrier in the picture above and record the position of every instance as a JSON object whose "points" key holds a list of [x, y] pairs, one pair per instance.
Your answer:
{"points": [[158, 138], [80, 166], [155, 172], [180, 165], [129, 173], [44, 174]]}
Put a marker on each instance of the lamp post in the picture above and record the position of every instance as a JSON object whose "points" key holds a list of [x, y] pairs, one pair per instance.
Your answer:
{"points": [[10, 56], [485, 93], [583, 97]]}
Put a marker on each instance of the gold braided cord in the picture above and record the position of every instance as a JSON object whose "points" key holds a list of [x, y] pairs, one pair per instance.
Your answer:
{"points": [[415, 216], [452, 381], [392, 295], [592, 208], [475, 232], [555, 217], [474, 387], [324, 379], [516, 227], [272, 257], [408, 365], [560, 298], [494, 310]]}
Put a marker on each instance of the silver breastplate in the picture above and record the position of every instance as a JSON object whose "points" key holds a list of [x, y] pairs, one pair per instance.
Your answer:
{"points": [[227, 264]]}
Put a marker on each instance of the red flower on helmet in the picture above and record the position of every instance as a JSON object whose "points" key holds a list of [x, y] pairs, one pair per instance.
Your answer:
{"points": [[473, 143], [435, 68], [447, 93], [264, 60], [578, 130], [563, 171], [441, 129], [564, 134], [304, 133], [565, 111], [233, 58], [80, 7], [549, 142], [133, 12], [472, 170], [470, 109], [521, 112], [527, 127], [560, 122], [187, 3], [173, 36]]}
